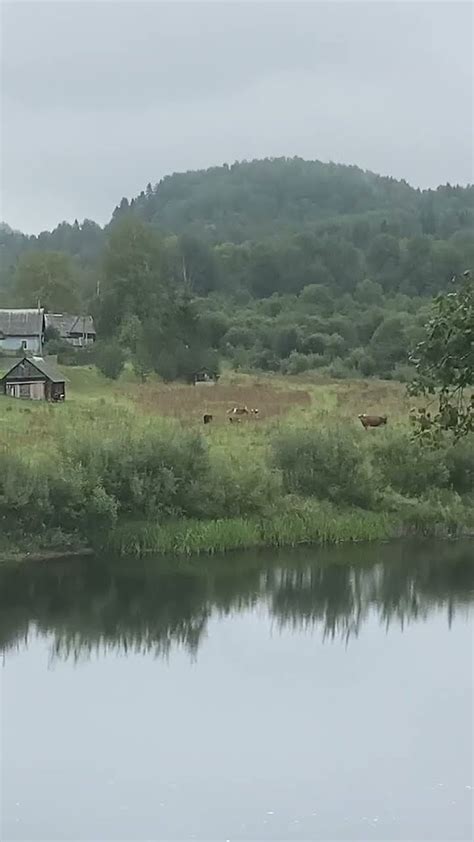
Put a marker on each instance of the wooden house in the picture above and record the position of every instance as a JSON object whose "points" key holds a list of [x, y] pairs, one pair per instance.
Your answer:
{"points": [[77, 330], [22, 330], [34, 378]]}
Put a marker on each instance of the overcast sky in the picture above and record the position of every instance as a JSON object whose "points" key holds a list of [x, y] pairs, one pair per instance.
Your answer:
{"points": [[99, 98]]}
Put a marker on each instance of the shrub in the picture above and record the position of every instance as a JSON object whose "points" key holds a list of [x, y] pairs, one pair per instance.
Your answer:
{"points": [[53, 347], [315, 343], [328, 463], [408, 466], [24, 498], [338, 369], [76, 356], [438, 513], [403, 372], [296, 363], [460, 464], [239, 485], [154, 471], [109, 359]]}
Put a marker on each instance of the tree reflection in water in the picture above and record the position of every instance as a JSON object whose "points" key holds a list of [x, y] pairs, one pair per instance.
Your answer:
{"points": [[98, 605]]}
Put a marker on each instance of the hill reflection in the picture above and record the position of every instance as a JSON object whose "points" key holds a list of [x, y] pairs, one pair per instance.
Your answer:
{"points": [[150, 606]]}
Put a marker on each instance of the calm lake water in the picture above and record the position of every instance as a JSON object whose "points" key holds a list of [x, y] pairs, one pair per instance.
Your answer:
{"points": [[310, 695]]}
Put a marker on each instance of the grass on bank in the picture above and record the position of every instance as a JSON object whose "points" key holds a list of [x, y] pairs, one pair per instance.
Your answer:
{"points": [[290, 526], [112, 468]]}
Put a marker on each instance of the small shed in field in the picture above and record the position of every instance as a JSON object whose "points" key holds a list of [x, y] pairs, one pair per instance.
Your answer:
{"points": [[205, 377], [34, 378]]}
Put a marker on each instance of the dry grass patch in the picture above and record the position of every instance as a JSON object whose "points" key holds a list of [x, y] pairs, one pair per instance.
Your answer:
{"points": [[192, 402]]}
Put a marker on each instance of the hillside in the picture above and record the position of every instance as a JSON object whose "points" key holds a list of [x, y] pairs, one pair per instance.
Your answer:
{"points": [[293, 265], [254, 200], [259, 199]]}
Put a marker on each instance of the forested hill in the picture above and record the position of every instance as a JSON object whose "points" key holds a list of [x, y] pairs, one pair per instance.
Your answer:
{"points": [[258, 199], [254, 200], [277, 225], [282, 265]]}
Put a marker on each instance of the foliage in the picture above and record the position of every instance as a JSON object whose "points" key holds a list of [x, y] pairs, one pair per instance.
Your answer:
{"points": [[460, 465], [91, 468], [408, 467], [327, 463], [109, 358], [151, 311], [259, 261], [444, 359], [48, 278]]}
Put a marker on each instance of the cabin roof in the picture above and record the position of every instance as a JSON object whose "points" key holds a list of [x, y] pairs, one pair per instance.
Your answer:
{"points": [[45, 365], [67, 324], [210, 371], [21, 322]]}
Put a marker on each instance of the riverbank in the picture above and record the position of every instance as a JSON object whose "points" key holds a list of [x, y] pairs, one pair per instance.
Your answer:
{"points": [[108, 475], [302, 523]]}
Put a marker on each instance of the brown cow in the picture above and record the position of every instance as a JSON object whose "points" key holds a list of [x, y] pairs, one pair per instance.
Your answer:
{"points": [[372, 420]]}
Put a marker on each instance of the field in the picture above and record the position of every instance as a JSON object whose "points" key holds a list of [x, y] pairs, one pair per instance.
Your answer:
{"points": [[132, 466], [93, 401], [277, 398]]}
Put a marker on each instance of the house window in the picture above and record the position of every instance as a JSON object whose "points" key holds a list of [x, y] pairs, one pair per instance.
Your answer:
{"points": [[24, 345], [24, 390]]}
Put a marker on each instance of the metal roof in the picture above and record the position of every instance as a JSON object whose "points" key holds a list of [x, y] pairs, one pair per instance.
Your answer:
{"points": [[21, 322], [67, 324]]}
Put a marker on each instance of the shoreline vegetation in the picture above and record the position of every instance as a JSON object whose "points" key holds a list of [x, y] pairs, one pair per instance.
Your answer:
{"points": [[107, 472]]}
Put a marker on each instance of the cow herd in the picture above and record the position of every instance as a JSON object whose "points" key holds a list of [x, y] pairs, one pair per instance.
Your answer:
{"points": [[238, 413]]}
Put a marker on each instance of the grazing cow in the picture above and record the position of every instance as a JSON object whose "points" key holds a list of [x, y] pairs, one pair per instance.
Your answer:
{"points": [[238, 411], [372, 420], [207, 418]]}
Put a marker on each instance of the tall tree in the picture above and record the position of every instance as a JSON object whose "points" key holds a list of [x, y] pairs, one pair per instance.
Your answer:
{"points": [[444, 359], [134, 284], [47, 277]]}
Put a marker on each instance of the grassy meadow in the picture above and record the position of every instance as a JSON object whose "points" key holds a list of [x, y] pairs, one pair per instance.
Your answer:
{"points": [[131, 468]]}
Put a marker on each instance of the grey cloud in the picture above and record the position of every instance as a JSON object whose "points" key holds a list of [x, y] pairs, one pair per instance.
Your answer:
{"points": [[100, 98]]}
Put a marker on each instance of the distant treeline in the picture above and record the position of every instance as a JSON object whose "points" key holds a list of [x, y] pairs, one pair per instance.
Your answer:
{"points": [[288, 264]]}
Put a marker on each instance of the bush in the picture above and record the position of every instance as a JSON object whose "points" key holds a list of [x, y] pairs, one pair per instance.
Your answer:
{"points": [[154, 471], [24, 498], [403, 372], [460, 464], [338, 369], [77, 356], [103, 472], [328, 463], [239, 485], [109, 359], [408, 466], [438, 513], [362, 361], [315, 343], [53, 347]]}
